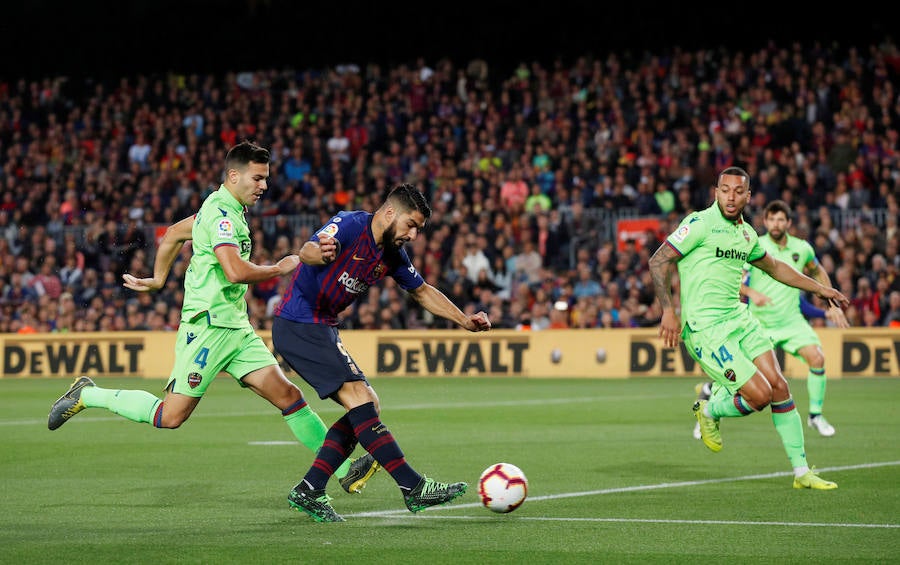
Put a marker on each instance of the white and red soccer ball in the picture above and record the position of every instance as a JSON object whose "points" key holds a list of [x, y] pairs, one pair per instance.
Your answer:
{"points": [[502, 487]]}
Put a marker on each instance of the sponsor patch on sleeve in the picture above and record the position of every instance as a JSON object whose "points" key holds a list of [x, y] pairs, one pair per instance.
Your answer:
{"points": [[225, 230], [330, 230], [681, 233]]}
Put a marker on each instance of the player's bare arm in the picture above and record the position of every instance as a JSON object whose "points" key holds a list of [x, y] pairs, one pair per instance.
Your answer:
{"points": [[784, 273], [438, 304], [239, 271], [758, 298], [322, 252], [662, 270], [169, 248], [834, 313]]}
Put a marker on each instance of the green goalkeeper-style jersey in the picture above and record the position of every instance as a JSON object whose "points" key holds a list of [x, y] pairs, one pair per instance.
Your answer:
{"points": [[785, 299], [713, 251], [220, 221]]}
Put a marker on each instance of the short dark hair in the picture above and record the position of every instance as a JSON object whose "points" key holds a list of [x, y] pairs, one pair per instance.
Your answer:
{"points": [[244, 153], [776, 206], [736, 171], [409, 198]]}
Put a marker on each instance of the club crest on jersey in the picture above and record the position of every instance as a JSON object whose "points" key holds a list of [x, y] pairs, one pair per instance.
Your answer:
{"points": [[225, 229], [795, 257], [681, 233], [747, 236], [729, 374], [379, 270], [330, 230], [194, 380]]}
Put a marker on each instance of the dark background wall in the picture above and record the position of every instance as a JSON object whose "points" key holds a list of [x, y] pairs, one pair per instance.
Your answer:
{"points": [[47, 37]]}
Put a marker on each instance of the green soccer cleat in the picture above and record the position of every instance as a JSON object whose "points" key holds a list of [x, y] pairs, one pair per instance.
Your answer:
{"points": [[811, 480], [709, 427], [429, 492], [68, 404], [315, 503], [361, 470]]}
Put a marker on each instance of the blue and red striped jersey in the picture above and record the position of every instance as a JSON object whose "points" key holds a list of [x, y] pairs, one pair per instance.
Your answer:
{"points": [[317, 294]]}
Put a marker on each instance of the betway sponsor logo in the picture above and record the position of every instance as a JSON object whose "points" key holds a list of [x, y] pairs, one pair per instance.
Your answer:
{"points": [[352, 284], [731, 254]]}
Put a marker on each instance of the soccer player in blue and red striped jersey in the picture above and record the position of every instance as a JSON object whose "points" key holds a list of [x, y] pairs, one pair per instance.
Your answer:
{"points": [[342, 259]]}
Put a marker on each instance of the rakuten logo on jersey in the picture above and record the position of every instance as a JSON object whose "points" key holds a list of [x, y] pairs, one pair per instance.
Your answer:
{"points": [[353, 285], [731, 254]]}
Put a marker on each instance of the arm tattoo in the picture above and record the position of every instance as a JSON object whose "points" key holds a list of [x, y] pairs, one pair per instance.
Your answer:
{"points": [[662, 267]]}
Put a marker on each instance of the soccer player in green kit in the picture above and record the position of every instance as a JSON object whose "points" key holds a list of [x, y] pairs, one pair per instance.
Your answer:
{"points": [[779, 310], [215, 333], [708, 250]]}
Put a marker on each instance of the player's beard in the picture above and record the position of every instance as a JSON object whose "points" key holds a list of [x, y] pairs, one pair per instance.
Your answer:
{"points": [[388, 240], [777, 236], [737, 214]]}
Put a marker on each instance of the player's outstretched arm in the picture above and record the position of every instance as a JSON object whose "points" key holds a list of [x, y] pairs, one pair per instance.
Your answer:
{"points": [[758, 298], [239, 271], [785, 273], [438, 304], [169, 248]]}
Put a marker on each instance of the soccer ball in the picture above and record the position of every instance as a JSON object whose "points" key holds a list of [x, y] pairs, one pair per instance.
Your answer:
{"points": [[502, 488]]}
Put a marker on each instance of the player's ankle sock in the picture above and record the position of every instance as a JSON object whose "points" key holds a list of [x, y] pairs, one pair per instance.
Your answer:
{"points": [[815, 385], [800, 471], [724, 407], [136, 405], [790, 427], [378, 440]]}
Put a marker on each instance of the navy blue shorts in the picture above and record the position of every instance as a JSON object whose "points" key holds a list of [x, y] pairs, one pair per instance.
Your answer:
{"points": [[315, 352]]}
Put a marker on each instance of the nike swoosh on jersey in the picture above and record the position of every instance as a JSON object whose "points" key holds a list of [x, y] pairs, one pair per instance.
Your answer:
{"points": [[358, 258]]}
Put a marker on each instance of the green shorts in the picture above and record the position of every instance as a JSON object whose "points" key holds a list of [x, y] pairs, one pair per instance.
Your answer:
{"points": [[202, 351], [725, 351], [793, 334]]}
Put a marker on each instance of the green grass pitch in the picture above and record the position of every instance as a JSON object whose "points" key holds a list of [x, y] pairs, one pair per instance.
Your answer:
{"points": [[614, 473]]}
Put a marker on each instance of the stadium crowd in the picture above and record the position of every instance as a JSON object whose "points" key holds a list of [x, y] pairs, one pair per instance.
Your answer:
{"points": [[517, 168]]}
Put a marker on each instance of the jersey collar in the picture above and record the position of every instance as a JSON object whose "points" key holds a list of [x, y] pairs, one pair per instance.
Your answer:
{"points": [[229, 200]]}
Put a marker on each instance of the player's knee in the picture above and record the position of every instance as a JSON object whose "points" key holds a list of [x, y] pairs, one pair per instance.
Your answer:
{"points": [[816, 360]]}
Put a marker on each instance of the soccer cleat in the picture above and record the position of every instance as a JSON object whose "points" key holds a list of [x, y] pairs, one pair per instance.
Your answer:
{"points": [[811, 480], [821, 425], [703, 390], [68, 404], [709, 427], [431, 493], [361, 470], [315, 503]]}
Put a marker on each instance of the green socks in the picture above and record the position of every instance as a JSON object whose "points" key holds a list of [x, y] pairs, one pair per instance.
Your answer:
{"points": [[815, 385], [789, 426], [309, 430], [136, 405], [724, 406]]}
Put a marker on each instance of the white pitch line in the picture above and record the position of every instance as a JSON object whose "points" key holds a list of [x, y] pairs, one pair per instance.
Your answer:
{"points": [[638, 488]]}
